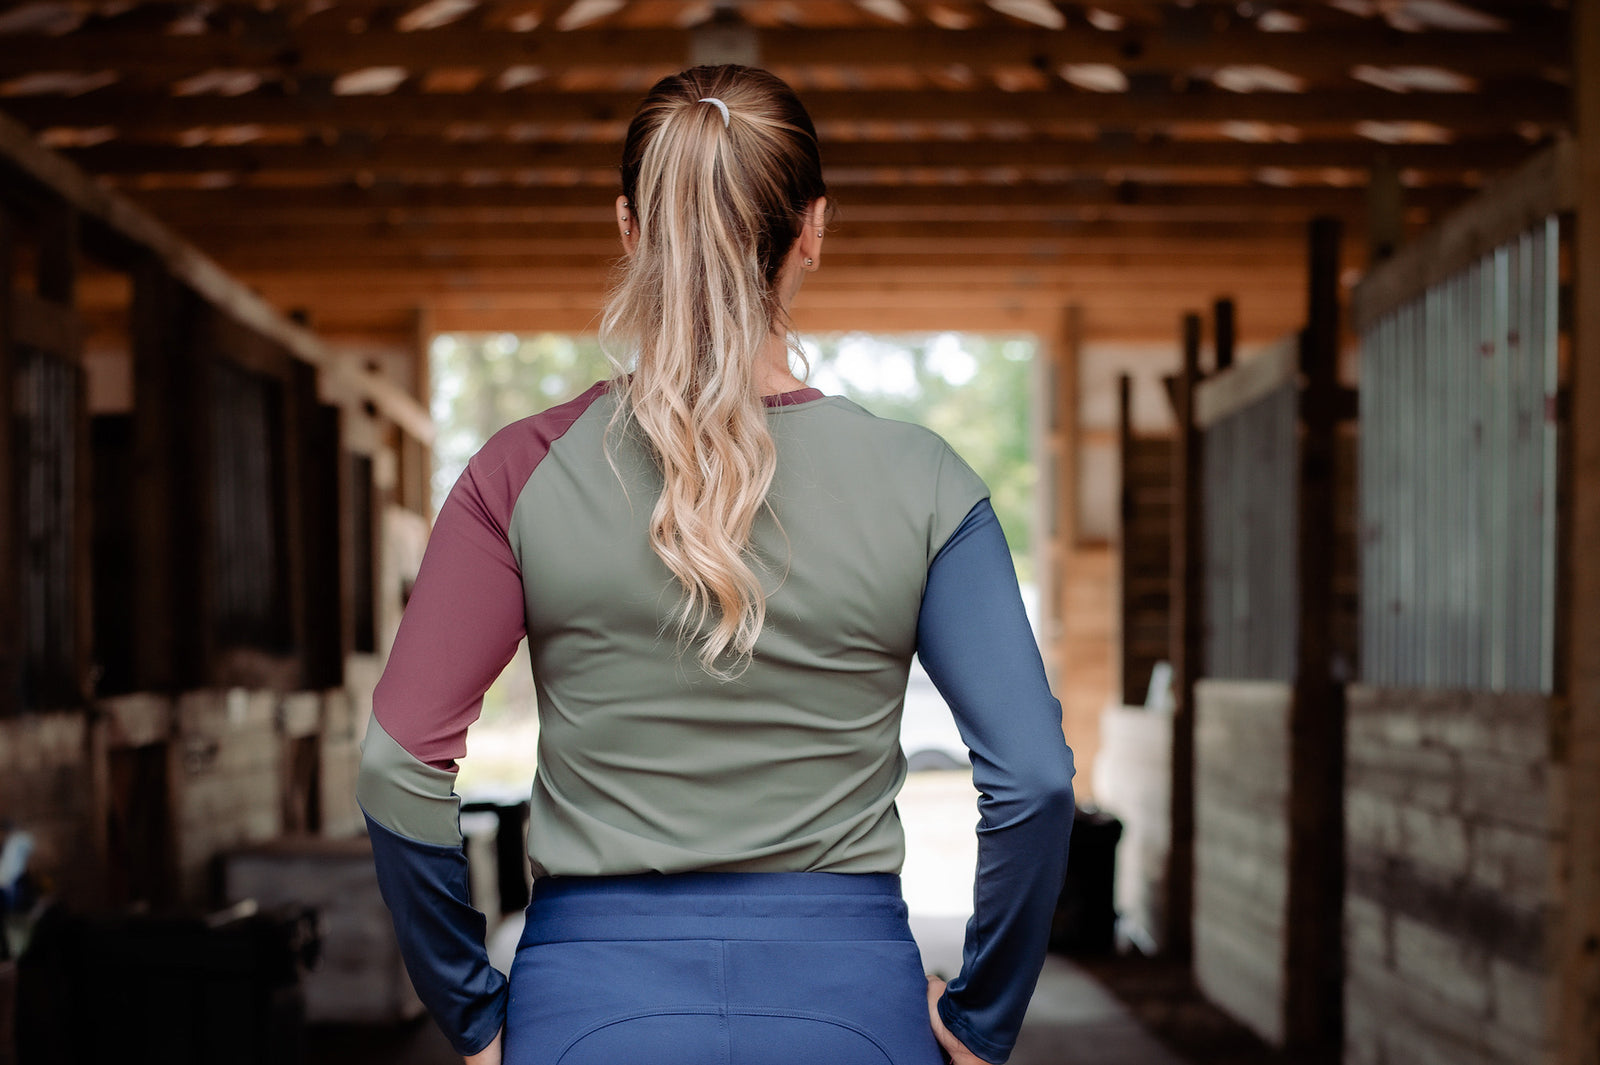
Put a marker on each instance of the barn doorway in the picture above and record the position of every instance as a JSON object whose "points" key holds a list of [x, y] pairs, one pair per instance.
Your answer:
{"points": [[977, 391]]}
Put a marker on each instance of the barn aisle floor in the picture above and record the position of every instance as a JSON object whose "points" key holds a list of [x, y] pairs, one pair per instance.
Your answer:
{"points": [[1073, 1021]]}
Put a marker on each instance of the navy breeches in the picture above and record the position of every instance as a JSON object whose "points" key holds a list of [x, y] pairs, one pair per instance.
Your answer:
{"points": [[718, 969]]}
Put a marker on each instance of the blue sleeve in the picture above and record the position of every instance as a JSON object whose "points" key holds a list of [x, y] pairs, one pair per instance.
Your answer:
{"points": [[975, 642], [441, 935]]}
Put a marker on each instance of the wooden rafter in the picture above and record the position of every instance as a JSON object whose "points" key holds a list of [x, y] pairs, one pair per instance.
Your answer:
{"points": [[352, 204], [971, 164], [137, 114], [430, 155], [145, 56]]}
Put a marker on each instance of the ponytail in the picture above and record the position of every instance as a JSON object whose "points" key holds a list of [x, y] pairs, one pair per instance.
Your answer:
{"points": [[717, 191]]}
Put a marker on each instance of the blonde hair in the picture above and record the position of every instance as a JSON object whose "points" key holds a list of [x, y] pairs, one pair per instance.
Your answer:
{"points": [[717, 204]]}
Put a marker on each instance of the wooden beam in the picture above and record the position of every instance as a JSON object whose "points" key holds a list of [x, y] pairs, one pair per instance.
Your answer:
{"points": [[1102, 319], [1187, 590], [1223, 332], [56, 267], [168, 641], [1010, 201], [294, 496], [866, 283], [846, 252], [131, 224], [431, 155], [152, 55], [144, 115], [1577, 953], [1385, 211], [1118, 290], [1543, 185], [984, 259], [10, 497], [322, 462], [1068, 400], [1314, 952], [1234, 389], [1125, 543], [46, 324], [600, 236]]}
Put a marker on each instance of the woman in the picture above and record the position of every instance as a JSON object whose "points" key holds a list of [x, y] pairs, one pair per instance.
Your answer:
{"points": [[722, 575]]}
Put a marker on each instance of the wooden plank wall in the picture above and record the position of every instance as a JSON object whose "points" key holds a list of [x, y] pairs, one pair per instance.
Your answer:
{"points": [[1184, 646], [1453, 835], [1144, 551], [1241, 849], [43, 788]]}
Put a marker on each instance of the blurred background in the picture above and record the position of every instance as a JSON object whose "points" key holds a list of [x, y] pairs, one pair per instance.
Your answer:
{"points": [[1274, 326]]}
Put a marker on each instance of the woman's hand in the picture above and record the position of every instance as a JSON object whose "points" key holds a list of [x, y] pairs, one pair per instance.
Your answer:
{"points": [[489, 1055], [954, 1050]]}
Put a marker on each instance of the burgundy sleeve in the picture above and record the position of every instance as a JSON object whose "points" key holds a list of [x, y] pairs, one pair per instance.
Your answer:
{"points": [[459, 630], [465, 616]]}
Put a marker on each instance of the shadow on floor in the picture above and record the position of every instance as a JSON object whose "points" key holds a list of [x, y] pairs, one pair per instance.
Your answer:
{"points": [[1160, 995]]}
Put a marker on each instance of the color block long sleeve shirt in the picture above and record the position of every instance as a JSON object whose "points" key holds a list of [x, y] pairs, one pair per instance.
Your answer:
{"points": [[880, 543]]}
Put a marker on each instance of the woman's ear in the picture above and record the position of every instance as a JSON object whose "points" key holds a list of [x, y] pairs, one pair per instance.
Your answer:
{"points": [[627, 226], [811, 233]]}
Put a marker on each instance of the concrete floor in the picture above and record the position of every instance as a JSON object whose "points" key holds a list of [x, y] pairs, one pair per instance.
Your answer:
{"points": [[1073, 1021]]}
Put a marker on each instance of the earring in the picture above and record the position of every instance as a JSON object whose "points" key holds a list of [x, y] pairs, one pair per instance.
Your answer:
{"points": [[808, 261], [819, 232]]}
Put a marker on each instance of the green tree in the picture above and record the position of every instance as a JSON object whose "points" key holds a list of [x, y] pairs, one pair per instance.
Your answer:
{"points": [[485, 381]]}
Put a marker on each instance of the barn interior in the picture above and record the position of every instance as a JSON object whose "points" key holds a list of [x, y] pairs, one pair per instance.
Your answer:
{"points": [[1315, 287]]}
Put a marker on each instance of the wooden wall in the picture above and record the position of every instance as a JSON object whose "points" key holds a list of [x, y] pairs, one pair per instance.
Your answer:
{"points": [[1145, 555], [43, 788], [1453, 838], [1241, 849]]}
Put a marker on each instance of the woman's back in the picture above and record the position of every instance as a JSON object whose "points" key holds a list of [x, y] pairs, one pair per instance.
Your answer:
{"points": [[648, 764]]}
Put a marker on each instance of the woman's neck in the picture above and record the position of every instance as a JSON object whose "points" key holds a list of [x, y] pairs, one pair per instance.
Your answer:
{"points": [[772, 368]]}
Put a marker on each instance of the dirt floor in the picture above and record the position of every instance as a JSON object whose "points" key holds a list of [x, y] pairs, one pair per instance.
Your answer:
{"points": [[1162, 996]]}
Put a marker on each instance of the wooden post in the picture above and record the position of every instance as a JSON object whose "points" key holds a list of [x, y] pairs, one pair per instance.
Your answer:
{"points": [[169, 423], [56, 280], [1066, 403], [1316, 728], [1056, 414], [56, 269], [1578, 952], [1222, 317], [419, 456], [1125, 564], [320, 459], [1385, 210], [299, 408], [1187, 595], [10, 572]]}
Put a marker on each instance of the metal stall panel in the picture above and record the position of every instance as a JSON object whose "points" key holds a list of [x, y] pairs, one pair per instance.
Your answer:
{"points": [[1458, 486], [1250, 463]]}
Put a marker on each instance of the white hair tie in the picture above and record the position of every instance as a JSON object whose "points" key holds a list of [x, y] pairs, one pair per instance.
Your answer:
{"points": [[720, 107]]}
